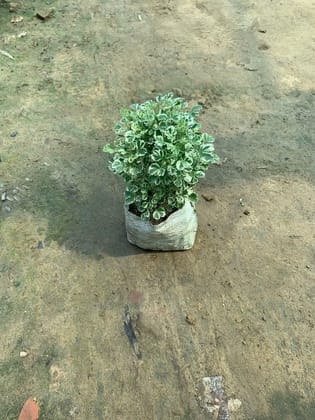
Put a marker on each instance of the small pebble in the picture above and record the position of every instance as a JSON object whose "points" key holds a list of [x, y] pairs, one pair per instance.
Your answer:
{"points": [[17, 19], [14, 133], [234, 404], [48, 59], [45, 14], [190, 319], [3, 196], [250, 67], [207, 197], [40, 245], [23, 354], [13, 7], [246, 212], [263, 46]]}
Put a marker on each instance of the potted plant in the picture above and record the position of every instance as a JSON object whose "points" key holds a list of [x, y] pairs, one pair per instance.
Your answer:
{"points": [[161, 154]]}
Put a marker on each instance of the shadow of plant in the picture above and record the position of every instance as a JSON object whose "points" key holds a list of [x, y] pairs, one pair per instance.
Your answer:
{"points": [[91, 223], [289, 406]]}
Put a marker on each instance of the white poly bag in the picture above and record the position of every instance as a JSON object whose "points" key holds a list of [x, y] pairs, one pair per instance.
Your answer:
{"points": [[176, 233]]}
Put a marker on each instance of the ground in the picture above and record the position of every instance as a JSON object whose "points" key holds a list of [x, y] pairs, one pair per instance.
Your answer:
{"points": [[67, 271]]}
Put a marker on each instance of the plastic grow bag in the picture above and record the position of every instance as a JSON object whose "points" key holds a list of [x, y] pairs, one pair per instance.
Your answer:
{"points": [[176, 233]]}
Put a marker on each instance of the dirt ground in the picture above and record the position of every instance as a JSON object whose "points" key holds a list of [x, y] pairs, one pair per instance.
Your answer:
{"points": [[67, 271]]}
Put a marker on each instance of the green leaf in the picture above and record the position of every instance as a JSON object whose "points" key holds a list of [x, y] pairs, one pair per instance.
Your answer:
{"points": [[199, 174], [180, 201], [193, 197], [196, 109], [134, 170], [156, 181], [126, 177], [162, 117], [180, 165], [154, 169], [178, 183], [117, 166], [215, 158], [145, 215], [207, 148], [129, 197], [124, 112], [130, 135], [157, 154], [108, 149], [205, 138], [144, 194], [171, 170], [159, 213], [187, 164], [132, 188], [142, 207], [159, 141], [187, 178], [205, 158]]}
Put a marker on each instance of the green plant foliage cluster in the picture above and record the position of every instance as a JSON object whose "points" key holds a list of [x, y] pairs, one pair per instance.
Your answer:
{"points": [[161, 154]]}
